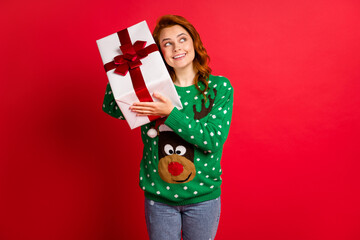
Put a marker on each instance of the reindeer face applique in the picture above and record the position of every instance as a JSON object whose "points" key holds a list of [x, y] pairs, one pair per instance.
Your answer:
{"points": [[176, 158]]}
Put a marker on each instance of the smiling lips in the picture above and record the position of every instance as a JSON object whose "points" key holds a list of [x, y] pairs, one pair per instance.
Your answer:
{"points": [[179, 56]]}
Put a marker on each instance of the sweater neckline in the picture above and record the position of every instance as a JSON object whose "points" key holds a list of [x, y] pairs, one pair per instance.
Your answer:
{"points": [[191, 87], [184, 89]]}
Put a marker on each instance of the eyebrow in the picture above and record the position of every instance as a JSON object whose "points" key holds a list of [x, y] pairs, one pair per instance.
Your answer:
{"points": [[165, 39]]}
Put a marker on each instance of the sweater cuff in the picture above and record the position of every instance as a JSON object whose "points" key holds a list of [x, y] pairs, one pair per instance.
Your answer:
{"points": [[172, 120]]}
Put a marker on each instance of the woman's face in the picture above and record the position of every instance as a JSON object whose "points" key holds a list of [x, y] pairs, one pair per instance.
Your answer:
{"points": [[177, 47]]}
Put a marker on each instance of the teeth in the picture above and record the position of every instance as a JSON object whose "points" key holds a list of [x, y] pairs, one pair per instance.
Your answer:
{"points": [[179, 56]]}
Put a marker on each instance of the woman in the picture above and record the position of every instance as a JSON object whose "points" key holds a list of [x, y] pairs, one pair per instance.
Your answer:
{"points": [[180, 170]]}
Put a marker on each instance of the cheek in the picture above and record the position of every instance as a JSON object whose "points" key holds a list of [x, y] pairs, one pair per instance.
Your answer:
{"points": [[190, 48], [190, 45], [166, 54]]}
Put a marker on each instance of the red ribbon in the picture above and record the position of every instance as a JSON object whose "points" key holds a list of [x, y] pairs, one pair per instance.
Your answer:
{"points": [[130, 62], [131, 57]]}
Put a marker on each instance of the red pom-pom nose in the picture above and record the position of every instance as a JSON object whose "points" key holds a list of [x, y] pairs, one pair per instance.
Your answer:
{"points": [[175, 168]]}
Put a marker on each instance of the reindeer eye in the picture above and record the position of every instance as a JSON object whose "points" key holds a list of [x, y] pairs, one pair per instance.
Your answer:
{"points": [[168, 149], [180, 150]]}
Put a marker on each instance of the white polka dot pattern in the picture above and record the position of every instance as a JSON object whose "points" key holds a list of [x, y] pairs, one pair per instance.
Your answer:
{"points": [[207, 134]]}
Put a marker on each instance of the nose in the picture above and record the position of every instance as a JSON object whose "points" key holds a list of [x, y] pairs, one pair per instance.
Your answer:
{"points": [[175, 168], [176, 47]]}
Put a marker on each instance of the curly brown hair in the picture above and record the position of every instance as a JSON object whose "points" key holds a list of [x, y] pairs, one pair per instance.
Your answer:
{"points": [[201, 59]]}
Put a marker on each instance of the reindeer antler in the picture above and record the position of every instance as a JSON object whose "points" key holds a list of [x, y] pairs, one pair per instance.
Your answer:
{"points": [[204, 110]]}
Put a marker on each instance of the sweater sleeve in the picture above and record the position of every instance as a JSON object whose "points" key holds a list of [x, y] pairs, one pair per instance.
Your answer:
{"points": [[210, 133], [110, 106]]}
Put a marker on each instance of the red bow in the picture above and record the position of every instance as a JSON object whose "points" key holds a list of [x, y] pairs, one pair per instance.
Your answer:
{"points": [[131, 56], [129, 61]]}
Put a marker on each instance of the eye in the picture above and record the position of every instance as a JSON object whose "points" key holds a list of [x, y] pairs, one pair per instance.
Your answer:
{"points": [[180, 150], [182, 39], [167, 44], [168, 149]]}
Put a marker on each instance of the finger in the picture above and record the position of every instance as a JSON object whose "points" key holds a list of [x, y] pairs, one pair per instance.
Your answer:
{"points": [[147, 114], [145, 108], [143, 111], [143, 104], [144, 114]]}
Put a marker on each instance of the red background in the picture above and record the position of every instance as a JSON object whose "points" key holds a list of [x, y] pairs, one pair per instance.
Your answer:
{"points": [[290, 164]]}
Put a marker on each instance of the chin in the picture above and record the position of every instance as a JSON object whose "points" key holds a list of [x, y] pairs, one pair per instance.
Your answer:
{"points": [[183, 65]]}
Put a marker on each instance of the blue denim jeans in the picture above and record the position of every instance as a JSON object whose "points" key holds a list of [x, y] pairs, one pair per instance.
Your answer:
{"points": [[196, 221]]}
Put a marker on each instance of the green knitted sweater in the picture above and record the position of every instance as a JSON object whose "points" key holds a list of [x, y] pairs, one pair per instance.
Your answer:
{"points": [[182, 164]]}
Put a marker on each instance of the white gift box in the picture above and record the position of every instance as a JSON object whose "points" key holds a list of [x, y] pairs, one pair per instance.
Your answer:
{"points": [[153, 70]]}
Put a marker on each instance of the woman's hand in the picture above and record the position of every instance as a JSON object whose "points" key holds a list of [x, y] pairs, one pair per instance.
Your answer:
{"points": [[161, 108]]}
